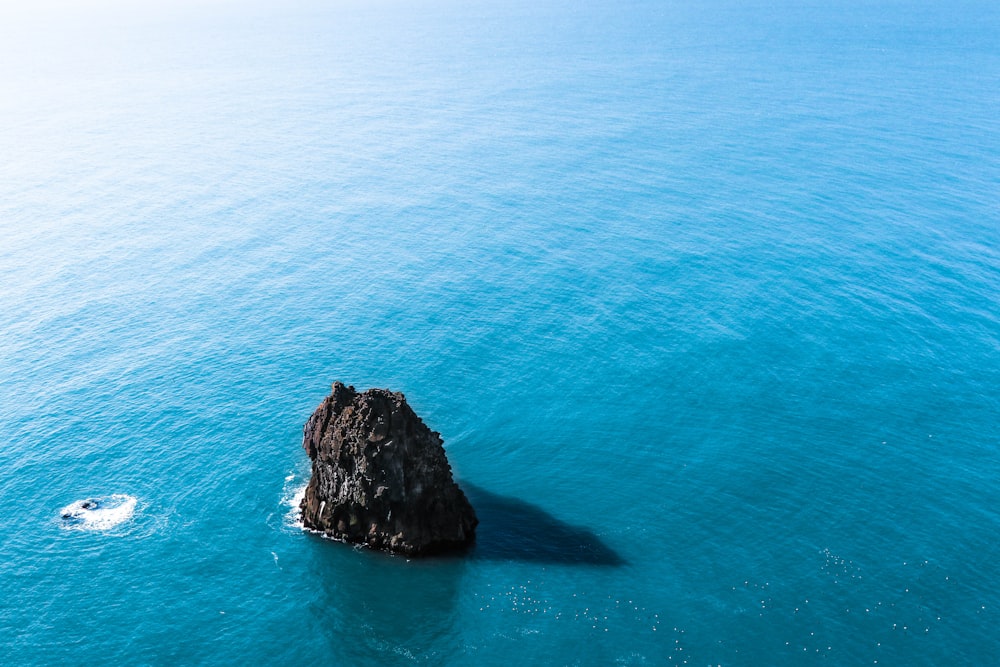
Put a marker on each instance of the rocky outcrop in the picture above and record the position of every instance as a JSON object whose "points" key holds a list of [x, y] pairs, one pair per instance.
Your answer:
{"points": [[380, 476]]}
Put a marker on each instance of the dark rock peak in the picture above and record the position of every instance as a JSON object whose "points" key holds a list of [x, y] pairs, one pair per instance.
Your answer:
{"points": [[380, 476]]}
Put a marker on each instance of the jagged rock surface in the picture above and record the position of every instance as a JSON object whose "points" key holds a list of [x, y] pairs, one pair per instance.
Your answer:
{"points": [[380, 476]]}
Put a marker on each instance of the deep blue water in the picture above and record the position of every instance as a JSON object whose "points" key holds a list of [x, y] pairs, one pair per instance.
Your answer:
{"points": [[704, 301]]}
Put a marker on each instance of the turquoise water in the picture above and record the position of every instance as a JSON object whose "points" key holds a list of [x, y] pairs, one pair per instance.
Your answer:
{"points": [[704, 301]]}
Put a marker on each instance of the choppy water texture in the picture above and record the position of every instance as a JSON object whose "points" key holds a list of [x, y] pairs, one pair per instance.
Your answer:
{"points": [[703, 300]]}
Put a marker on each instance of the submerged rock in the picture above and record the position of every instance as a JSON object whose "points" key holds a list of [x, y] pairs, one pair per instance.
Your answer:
{"points": [[380, 476]]}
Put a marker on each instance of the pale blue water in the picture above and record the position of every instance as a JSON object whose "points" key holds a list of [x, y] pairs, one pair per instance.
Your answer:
{"points": [[704, 300]]}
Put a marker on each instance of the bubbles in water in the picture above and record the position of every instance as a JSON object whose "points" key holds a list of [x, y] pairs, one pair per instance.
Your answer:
{"points": [[291, 498], [100, 513]]}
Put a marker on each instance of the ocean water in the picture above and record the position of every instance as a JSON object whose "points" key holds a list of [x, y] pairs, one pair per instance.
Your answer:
{"points": [[704, 299]]}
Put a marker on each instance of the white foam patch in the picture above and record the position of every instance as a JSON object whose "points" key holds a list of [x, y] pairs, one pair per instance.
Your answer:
{"points": [[100, 513], [294, 493]]}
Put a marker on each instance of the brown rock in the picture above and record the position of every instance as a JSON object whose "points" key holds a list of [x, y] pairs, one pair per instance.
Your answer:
{"points": [[380, 476]]}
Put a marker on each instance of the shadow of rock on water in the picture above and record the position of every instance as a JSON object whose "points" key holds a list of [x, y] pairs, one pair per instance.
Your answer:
{"points": [[512, 529]]}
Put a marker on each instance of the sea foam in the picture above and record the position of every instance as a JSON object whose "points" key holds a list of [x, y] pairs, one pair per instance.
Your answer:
{"points": [[99, 513], [294, 492]]}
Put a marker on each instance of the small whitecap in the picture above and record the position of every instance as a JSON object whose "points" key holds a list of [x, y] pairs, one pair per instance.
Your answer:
{"points": [[292, 498], [100, 513]]}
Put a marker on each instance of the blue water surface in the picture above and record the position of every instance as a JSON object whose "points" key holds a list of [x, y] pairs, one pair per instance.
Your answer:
{"points": [[704, 299]]}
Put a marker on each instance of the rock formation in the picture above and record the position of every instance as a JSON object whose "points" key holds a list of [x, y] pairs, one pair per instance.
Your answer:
{"points": [[380, 476]]}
